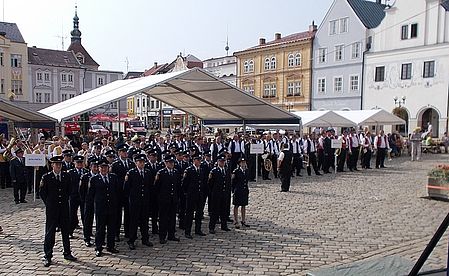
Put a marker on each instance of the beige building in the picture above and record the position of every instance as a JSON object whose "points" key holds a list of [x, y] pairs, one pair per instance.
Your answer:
{"points": [[13, 64], [279, 71]]}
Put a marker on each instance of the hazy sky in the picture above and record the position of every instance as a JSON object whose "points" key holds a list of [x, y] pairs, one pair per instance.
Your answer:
{"points": [[145, 31]]}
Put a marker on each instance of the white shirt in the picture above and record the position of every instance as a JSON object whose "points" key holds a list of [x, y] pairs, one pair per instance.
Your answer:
{"points": [[383, 142], [281, 156], [306, 145], [296, 146]]}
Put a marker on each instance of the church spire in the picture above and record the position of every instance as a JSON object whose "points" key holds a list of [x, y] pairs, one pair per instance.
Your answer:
{"points": [[76, 33]]}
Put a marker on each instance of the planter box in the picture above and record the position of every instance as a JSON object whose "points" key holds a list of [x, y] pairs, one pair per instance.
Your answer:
{"points": [[437, 188]]}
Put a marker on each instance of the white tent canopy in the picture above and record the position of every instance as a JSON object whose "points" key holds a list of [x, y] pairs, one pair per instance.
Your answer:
{"points": [[325, 118], [193, 91], [371, 117], [23, 117]]}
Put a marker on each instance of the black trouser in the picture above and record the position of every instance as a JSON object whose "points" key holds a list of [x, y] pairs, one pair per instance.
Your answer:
{"points": [[138, 218], [58, 219], [285, 177], [154, 212], [320, 160], [234, 160], [341, 160], [74, 203], [328, 161], [252, 166], [122, 212], [380, 157], [4, 172], [367, 159], [167, 218], [194, 203], [297, 164], [228, 204], [105, 220], [218, 209], [312, 163], [30, 179], [354, 158], [274, 161], [88, 221], [20, 190], [182, 211]]}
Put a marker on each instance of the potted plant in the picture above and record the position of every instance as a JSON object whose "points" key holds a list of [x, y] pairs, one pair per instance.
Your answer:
{"points": [[438, 182]]}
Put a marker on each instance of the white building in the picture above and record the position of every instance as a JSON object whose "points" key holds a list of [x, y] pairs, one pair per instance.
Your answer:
{"points": [[407, 68], [224, 68]]}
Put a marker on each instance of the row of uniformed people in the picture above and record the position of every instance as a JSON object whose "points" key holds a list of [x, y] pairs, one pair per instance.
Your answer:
{"points": [[149, 188]]}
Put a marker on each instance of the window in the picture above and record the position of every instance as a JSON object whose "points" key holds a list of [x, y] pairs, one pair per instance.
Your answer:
{"points": [[251, 66], [2, 55], [249, 89], [16, 87], [273, 63], [406, 72], [291, 60], [138, 103], [38, 97], [16, 60], [290, 88], [404, 32], [354, 83], [267, 64], [355, 50], [100, 81], [380, 74], [297, 91], [414, 30], [63, 77], [266, 90], [47, 78], [157, 104], [64, 97], [152, 104], [344, 25], [338, 84], [70, 77], [333, 27], [273, 90], [429, 69], [80, 58], [322, 85], [322, 55], [298, 59], [71, 96], [245, 67], [46, 97], [2, 86], [339, 53], [113, 105], [39, 77]]}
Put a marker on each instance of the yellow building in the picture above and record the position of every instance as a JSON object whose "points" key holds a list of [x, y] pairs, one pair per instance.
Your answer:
{"points": [[279, 71], [13, 64]]}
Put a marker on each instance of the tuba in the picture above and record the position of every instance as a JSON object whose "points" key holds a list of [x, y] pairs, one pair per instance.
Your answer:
{"points": [[306, 160], [268, 165], [7, 155]]}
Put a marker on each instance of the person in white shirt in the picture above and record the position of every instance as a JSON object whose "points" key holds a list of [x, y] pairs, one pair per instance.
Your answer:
{"points": [[310, 150], [354, 144], [296, 146], [382, 146]]}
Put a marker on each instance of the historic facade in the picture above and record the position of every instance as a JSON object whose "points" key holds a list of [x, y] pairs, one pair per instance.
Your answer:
{"points": [[407, 69], [280, 70], [224, 68], [338, 49], [13, 64]]}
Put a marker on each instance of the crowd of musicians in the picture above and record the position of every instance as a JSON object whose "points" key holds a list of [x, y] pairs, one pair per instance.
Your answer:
{"points": [[124, 184]]}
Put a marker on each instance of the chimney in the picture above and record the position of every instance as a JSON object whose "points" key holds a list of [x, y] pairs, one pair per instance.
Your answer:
{"points": [[261, 41], [313, 27], [155, 64], [379, 1], [277, 36]]}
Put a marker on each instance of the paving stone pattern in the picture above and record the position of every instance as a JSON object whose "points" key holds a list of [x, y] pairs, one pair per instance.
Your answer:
{"points": [[324, 221]]}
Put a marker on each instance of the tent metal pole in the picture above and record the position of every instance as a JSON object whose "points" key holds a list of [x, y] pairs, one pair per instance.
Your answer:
{"points": [[244, 127], [119, 118]]}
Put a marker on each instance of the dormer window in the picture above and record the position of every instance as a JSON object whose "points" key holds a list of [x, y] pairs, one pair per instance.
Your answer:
{"points": [[80, 58]]}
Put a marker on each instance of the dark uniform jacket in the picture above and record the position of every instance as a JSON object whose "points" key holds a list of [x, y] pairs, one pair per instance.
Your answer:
{"points": [[137, 188], [75, 178], [167, 186], [119, 168], [68, 167], [219, 183], [104, 196], [18, 171], [55, 194], [193, 182], [84, 185]]}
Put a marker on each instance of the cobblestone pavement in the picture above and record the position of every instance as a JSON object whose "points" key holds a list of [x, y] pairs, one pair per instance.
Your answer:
{"points": [[323, 221]]}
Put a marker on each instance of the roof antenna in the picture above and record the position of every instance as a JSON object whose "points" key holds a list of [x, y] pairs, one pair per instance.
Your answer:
{"points": [[227, 42]]}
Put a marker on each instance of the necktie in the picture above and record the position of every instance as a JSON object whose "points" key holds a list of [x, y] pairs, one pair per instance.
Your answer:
{"points": [[105, 179], [141, 174], [58, 178], [170, 172], [79, 172], [126, 164]]}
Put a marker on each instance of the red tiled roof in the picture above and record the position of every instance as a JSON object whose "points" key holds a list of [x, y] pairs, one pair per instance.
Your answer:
{"points": [[283, 40], [154, 70], [76, 47]]}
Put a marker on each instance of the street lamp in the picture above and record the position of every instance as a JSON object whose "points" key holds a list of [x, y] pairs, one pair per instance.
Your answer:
{"points": [[289, 106], [399, 102]]}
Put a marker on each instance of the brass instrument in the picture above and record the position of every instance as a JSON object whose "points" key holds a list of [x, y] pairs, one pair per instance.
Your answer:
{"points": [[268, 165], [337, 152], [306, 160], [7, 155]]}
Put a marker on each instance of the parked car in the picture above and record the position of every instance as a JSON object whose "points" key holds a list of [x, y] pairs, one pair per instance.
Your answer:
{"points": [[99, 129], [71, 128]]}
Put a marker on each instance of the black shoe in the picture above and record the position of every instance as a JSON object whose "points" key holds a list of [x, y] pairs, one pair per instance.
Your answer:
{"points": [[252, 180], [244, 224], [3, 187], [300, 175], [132, 246], [199, 233], [318, 173], [70, 257], [112, 250], [163, 241], [23, 201], [211, 231], [188, 236], [98, 253], [174, 239], [147, 243], [355, 169], [225, 229], [369, 168], [88, 244], [47, 262], [16, 201], [267, 178], [383, 167]]}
